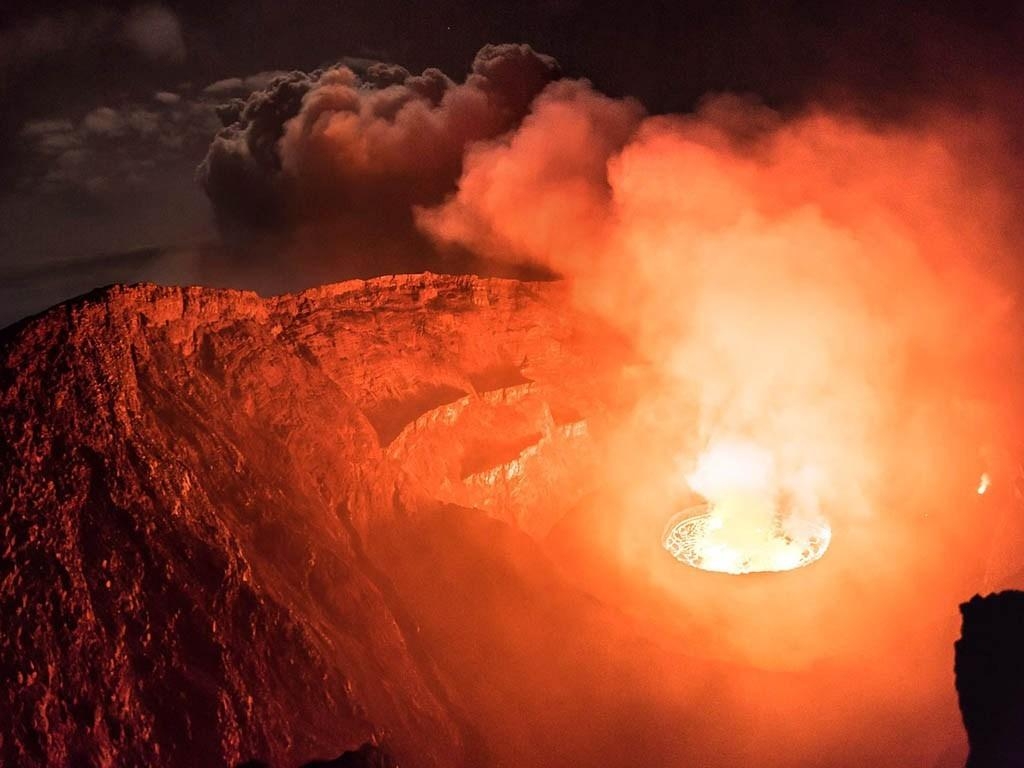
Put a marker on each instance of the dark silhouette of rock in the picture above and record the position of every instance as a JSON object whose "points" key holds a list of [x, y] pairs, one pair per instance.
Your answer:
{"points": [[367, 756], [990, 679]]}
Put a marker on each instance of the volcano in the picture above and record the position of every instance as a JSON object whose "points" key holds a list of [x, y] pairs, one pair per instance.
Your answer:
{"points": [[240, 528]]}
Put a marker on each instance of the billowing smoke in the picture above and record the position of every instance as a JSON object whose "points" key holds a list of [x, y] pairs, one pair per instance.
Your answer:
{"points": [[817, 289], [828, 292], [331, 162], [830, 296]]}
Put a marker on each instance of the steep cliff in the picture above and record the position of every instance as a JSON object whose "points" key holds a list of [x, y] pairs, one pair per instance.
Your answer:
{"points": [[188, 477], [235, 528]]}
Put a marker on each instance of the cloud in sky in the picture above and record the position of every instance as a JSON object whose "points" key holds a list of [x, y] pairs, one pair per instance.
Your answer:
{"points": [[236, 86], [152, 30], [114, 146], [155, 31]]}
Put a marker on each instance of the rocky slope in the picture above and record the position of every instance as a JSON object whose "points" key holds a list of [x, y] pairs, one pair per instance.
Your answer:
{"points": [[235, 528], [189, 481], [184, 483]]}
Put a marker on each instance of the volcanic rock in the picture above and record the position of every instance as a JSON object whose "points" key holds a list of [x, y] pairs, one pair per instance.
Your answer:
{"points": [[990, 679], [367, 756], [202, 492], [236, 528]]}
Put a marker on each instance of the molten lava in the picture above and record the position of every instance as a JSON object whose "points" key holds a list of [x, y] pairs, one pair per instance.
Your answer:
{"points": [[760, 516], [702, 538]]}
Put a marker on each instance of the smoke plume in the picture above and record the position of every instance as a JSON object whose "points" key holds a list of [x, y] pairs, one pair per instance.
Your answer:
{"points": [[829, 297], [330, 163], [829, 291], [833, 294]]}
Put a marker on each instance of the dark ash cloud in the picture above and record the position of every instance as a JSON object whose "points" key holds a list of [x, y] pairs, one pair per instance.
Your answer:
{"points": [[239, 173], [356, 140]]}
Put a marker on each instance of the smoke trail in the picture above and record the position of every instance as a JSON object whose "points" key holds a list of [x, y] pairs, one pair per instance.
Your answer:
{"points": [[825, 290]]}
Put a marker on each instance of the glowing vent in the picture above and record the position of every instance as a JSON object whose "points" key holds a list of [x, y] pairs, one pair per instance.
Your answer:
{"points": [[702, 538]]}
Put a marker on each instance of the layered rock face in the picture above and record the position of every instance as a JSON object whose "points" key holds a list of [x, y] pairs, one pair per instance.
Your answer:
{"points": [[204, 493]]}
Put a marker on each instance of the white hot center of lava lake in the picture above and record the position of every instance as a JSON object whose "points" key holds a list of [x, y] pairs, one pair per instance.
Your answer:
{"points": [[749, 524]]}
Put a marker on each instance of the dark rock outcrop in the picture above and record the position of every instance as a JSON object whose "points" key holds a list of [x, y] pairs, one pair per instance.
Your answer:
{"points": [[367, 756], [990, 679]]}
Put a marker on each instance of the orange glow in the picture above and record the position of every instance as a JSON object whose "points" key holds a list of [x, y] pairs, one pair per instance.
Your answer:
{"points": [[821, 322], [984, 483], [822, 309], [706, 539], [759, 517]]}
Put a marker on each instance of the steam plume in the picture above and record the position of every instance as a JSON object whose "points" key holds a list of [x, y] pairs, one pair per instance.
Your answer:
{"points": [[336, 142], [817, 287], [822, 302]]}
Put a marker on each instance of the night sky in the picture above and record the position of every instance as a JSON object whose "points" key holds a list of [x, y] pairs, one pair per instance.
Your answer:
{"points": [[108, 108]]}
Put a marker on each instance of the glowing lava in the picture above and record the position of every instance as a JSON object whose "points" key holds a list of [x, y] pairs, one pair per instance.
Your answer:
{"points": [[701, 538], [759, 518]]}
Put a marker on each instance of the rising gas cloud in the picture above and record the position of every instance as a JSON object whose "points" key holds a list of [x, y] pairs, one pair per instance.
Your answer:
{"points": [[835, 293], [833, 296], [323, 169]]}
